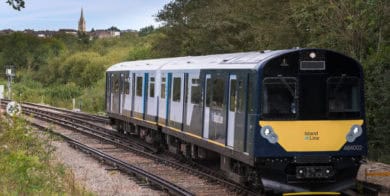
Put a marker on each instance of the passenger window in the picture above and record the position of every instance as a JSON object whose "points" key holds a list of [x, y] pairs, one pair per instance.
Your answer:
{"points": [[151, 91], [279, 97], [208, 93], [127, 84], [115, 83], [233, 95], [122, 81], [139, 86], [218, 92], [163, 82], [251, 109], [176, 89], [196, 94], [112, 83], [241, 96]]}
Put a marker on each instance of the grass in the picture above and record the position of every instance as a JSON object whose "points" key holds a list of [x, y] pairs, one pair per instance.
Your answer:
{"points": [[27, 166]]}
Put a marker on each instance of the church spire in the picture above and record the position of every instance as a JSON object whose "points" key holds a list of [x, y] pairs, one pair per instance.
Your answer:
{"points": [[82, 22]]}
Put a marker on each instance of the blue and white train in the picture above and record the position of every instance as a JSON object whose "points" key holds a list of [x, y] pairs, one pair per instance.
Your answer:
{"points": [[291, 120]]}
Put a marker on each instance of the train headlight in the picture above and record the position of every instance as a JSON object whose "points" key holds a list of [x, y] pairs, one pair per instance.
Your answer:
{"points": [[354, 133], [268, 133], [313, 55]]}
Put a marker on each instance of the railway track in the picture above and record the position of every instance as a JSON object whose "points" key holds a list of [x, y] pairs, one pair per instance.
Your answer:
{"points": [[152, 179], [132, 156], [79, 115], [107, 144]]}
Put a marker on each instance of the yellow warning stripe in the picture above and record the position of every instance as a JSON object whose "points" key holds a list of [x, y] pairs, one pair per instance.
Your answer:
{"points": [[193, 135], [178, 130], [311, 193]]}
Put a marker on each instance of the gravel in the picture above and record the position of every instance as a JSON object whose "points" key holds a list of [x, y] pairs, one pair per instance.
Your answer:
{"points": [[96, 177]]}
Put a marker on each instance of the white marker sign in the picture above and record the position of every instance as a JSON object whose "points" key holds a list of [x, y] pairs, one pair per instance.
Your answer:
{"points": [[13, 108]]}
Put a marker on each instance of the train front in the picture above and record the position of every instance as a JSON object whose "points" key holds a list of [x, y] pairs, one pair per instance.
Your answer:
{"points": [[311, 134]]}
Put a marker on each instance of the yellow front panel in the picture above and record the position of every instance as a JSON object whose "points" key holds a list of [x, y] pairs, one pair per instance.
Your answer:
{"points": [[321, 135]]}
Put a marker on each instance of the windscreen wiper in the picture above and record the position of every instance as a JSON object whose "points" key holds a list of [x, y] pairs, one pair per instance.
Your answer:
{"points": [[293, 94]]}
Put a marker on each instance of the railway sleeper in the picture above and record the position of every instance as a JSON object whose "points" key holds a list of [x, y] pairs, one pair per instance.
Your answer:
{"points": [[230, 168]]}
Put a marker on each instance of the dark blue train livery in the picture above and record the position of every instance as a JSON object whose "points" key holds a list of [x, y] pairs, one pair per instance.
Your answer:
{"points": [[289, 120]]}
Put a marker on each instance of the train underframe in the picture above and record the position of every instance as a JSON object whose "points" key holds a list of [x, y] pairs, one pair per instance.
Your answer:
{"points": [[285, 174], [315, 173]]}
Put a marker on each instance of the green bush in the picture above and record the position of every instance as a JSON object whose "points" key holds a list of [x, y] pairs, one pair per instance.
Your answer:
{"points": [[93, 98], [377, 74], [25, 163]]}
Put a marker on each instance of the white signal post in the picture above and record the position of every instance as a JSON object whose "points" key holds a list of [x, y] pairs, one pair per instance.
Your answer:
{"points": [[10, 73]]}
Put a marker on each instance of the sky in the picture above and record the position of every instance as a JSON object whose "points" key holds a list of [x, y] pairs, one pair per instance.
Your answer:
{"points": [[65, 14]]}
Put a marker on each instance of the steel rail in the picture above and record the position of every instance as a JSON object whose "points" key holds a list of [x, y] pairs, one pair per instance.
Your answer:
{"points": [[68, 124], [127, 168], [117, 141], [86, 116]]}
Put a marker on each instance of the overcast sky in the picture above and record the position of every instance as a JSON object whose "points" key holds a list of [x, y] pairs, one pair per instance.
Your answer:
{"points": [[64, 14]]}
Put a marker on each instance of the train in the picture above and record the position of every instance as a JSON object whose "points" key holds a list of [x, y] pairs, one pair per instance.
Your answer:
{"points": [[289, 120]]}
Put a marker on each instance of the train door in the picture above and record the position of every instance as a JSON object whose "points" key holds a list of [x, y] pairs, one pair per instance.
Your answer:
{"points": [[238, 93], [138, 97], [218, 106], [121, 92], [162, 102], [127, 95], [132, 91], [176, 102], [108, 92], [206, 116], [193, 105], [152, 98], [115, 92], [232, 109]]}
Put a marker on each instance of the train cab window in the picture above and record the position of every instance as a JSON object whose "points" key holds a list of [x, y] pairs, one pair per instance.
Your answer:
{"points": [[139, 86], [196, 94], [343, 96], [279, 98], [163, 82], [151, 89], [176, 89]]}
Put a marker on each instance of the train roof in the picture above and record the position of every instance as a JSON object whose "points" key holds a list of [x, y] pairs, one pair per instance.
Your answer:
{"points": [[240, 60]]}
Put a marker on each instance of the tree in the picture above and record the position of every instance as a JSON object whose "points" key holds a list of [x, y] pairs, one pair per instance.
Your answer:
{"points": [[353, 27], [358, 28], [16, 4], [377, 74], [146, 30], [113, 29], [196, 27]]}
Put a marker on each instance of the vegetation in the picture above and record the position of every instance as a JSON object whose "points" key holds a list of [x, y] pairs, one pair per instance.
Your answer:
{"points": [[54, 70], [358, 28], [26, 164], [16, 4]]}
